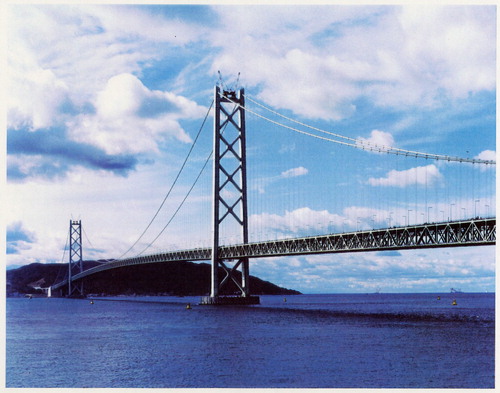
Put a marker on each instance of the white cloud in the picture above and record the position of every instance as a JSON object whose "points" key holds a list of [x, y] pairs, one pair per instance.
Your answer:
{"points": [[130, 118], [395, 56], [294, 172], [262, 183], [35, 98], [422, 175], [377, 138], [319, 62], [471, 269], [65, 52], [140, 25], [121, 96], [114, 211], [305, 221], [294, 222], [488, 155], [451, 46]]}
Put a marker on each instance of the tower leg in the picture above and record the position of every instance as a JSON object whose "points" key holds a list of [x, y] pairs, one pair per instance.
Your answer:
{"points": [[75, 266], [230, 208]]}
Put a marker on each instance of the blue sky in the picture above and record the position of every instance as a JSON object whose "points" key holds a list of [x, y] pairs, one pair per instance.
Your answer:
{"points": [[105, 101]]}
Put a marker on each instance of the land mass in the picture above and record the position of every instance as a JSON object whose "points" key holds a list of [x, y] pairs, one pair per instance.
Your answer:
{"points": [[172, 279]]}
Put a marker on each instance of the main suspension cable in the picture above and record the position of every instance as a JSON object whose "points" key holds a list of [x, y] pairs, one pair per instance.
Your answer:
{"points": [[62, 259], [180, 205], [86, 237], [172, 186], [356, 143], [184, 200]]}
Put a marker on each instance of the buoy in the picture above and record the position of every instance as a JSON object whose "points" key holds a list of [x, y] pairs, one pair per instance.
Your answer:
{"points": [[188, 306], [454, 302], [91, 302]]}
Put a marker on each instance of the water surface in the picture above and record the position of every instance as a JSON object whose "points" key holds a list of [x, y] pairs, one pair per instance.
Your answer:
{"points": [[302, 341]]}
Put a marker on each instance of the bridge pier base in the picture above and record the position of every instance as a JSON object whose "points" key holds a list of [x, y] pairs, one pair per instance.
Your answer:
{"points": [[229, 300]]}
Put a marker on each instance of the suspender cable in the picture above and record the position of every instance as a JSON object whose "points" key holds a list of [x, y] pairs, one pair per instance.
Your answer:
{"points": [[180, 205], [189, 191], [359, 144], [173, 184]]}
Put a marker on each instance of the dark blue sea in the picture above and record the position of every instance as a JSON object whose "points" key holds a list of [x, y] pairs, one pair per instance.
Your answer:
{"points": [[307, 341]]}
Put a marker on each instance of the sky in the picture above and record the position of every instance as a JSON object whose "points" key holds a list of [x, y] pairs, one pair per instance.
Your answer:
{"points": [[105, 102]]}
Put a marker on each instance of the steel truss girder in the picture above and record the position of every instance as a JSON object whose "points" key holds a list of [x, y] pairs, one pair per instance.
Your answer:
{"points": [[477, 232], [450, 234]]}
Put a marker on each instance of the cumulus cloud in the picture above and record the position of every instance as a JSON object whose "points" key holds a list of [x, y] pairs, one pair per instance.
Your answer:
{"points": [[296, 221], [124, 39], [488, 155], [415, 56], [37, 100], [305, 221], [130, 118], [81, 112], [422, 175], [385, 271], [19, 238], [377, 139]]}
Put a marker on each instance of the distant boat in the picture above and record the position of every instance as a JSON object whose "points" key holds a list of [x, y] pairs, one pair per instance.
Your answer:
{"points": [[453, 290]]}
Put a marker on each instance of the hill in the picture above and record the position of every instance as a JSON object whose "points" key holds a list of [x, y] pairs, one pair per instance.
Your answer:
{"points": [[173, 278]]}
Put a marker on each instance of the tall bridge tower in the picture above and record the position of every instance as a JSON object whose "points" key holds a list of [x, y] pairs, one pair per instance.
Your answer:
{"points": [[75, 266], [229, 204]]}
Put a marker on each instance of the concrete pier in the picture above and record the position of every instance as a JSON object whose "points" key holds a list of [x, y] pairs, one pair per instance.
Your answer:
{"points": [[229, 300]]}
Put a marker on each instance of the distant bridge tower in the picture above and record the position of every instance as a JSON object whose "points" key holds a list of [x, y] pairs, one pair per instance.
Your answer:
{"points": [[229, 205], [75, 289]]}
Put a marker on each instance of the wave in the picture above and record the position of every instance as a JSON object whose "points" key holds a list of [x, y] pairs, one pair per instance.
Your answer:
{"points": [[482, 316], [395, 316]]}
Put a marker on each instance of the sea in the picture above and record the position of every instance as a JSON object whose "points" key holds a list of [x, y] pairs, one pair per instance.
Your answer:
{"points": [[302, 341]]}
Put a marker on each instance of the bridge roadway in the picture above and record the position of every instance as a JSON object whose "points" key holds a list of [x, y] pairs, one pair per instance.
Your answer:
{"points": [[475, 232]]}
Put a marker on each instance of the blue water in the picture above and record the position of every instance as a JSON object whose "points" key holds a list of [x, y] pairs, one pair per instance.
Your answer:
{"points": [[309, 341]]}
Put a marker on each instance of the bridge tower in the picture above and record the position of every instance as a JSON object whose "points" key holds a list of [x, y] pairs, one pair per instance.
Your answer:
{"points": [[75, 266], [229, 204]]}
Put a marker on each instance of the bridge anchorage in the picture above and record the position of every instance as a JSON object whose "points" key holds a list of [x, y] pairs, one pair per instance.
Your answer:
{"points": [[229, 209]]}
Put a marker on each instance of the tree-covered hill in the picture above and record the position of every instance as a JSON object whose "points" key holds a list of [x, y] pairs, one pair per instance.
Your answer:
{"points": [[173, 278]]}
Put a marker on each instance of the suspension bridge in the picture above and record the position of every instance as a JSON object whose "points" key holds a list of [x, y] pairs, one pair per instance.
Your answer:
{"points": [[229, 212]]}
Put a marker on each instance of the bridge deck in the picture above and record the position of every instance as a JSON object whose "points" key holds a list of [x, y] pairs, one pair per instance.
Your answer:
{"points": [[476, 232]]}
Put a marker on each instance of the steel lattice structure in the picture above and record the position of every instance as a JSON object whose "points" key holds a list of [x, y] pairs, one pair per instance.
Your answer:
{"points": [[476, 232], [229, 203], [229, 174], [75, 265]]}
